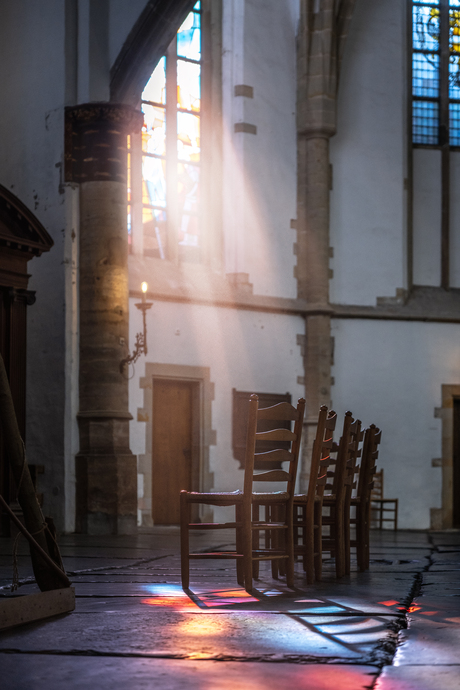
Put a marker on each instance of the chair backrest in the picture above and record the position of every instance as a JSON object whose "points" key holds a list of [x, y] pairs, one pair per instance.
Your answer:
{"points": [[280, 412], [372, 438], [377, 489], [342, 451], [321, 454], [354, 452]]}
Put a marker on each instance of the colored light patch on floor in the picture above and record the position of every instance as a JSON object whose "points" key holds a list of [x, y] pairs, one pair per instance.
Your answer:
{"points": [[226, 597], [168, 596], [319, 609]]}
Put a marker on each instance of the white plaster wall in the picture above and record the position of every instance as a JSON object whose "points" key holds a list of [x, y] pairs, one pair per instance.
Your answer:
{"points": [[390, 374], [427, 217], [368, 157], [31, 143], [243, 349], [455, 219], [260, 170], [122, 17]]}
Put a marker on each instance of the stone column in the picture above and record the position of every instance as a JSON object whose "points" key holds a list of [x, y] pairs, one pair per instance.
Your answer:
{"points": [[322, 32], [106, 471]]}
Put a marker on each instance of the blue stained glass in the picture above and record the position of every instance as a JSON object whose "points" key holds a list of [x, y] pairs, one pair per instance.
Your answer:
{"points": [[155, 89], [425, 123], [154, 182], [189, 38], [454, 58], [197, 6], [426, 2], [454, 3], [454, 124], [425, 75], [425, 28], [188, 85]]}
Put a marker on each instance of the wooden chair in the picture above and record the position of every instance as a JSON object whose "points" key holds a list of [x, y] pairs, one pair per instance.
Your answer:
{"points": [[362, 501], [380, 506], [339, 500], [308, 507], [244, 501]]}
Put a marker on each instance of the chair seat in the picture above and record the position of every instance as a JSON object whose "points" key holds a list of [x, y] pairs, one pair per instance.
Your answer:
{"points": [[216, 498], [271, 497], [301, 499]]}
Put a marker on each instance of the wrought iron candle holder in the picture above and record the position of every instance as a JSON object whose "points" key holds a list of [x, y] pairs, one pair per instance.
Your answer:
{"points": [[140, 346]]}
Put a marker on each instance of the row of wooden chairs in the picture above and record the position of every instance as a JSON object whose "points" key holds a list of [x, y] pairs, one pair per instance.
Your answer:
{"points": [[293, 524]]}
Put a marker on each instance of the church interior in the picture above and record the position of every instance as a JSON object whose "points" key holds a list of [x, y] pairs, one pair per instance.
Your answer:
{"points": [[203, 201]]}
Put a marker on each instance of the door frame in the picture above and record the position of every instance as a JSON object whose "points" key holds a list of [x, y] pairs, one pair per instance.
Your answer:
{"points": [[202, 477]]}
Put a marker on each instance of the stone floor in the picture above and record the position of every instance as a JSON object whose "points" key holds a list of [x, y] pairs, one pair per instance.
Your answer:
{"points": [[394, 627]]}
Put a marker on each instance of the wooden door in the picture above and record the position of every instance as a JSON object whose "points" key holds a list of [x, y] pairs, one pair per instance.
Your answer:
{"points": [[173, 446]]}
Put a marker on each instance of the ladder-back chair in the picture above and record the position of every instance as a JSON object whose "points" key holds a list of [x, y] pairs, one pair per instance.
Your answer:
{"points": [[247, 550], [307, 507], [382, 506], [362, 501], [335, 501]]}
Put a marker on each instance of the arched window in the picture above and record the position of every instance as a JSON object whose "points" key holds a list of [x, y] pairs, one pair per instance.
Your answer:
{"points": [[164, 162], [436, 72]]}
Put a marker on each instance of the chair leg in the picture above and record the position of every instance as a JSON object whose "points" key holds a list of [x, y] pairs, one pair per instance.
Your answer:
{"points": [[309, 541], [184, 541], [274, 543], [318, 541], [289, 542], [239, 546], [303, 514], [255, 540], [366, 535], [346, 541], [247, 547], [339, 546], [396, 514], [281, 534]]}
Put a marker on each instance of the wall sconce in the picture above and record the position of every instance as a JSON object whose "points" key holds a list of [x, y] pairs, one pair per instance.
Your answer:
{"points": [[140, 346]]}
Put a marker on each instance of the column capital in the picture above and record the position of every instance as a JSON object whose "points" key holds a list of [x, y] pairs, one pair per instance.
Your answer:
{"points": [[95, 141]]}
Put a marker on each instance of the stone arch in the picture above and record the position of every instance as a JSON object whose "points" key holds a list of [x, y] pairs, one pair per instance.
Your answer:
{"points": [[148, 40]]}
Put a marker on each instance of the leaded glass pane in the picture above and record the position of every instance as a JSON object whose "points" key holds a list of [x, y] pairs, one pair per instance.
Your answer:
{"points": [[425, 75], [454, 3], [154, 227], [154, 130], [188, 85], [425, 123], [454, 50], [425, 2], [425, 28], [154, 181], [189, 38], [454, 117], [188, 137], [155, 89]]}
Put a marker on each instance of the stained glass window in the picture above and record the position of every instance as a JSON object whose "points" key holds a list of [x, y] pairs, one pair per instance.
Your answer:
{"points": [[170, 155], [436, 72]]}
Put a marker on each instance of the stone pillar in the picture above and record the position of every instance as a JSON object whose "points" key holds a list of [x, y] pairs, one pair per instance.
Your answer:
{"points": [[322, 31], [106, 471]]}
